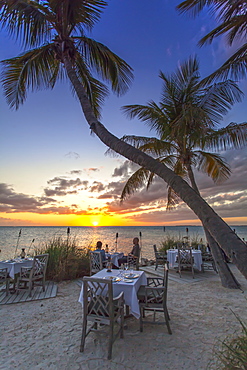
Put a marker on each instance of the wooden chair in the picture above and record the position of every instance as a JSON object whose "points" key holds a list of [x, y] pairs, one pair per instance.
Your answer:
{"points": [[5, 279], [133, 262], [96, 263], [153, 297], [185, 260], [208, 262], [100, 307], [160, 257], [35, 275]]}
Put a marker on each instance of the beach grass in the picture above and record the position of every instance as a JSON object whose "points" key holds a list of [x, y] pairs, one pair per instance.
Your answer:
{"points": [[232, 353], [66, 260], [171, 241]]}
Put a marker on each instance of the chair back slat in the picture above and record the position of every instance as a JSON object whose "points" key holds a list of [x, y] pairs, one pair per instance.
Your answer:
{"points": [[3, 274], [185, 259], [133, 262], [97, 297], [96, 263]]}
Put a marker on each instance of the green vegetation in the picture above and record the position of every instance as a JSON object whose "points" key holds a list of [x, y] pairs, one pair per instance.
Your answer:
{"points": [[170, 242], [233, 351], [173, 241], [66, 260]]}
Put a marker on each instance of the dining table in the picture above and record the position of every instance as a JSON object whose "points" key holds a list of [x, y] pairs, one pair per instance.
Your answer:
{"points": [[172, 256], [115, 257], [14, 265], [127, 282]]}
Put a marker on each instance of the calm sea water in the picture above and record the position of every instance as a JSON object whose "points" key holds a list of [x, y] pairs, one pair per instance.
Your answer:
{"points": [[88, 236]]}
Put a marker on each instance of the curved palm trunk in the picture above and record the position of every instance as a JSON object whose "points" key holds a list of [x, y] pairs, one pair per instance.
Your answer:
{"points": [[227, 278], [220, 231]]}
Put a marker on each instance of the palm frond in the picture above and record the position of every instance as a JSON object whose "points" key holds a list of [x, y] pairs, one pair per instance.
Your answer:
{"points": [[172, 199], [218, 98], [135, 182], [35, 21], [96, 90], [107, 64], [193, 6], [235, 67], [33, 70], [233, 136], [77, 14], [213, 165], [151, 114], [27, 21]]}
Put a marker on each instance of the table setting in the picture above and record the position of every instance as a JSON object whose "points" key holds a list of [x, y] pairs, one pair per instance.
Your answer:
{"points": [[115, 256], [197, 254], [127, 281], [14, 265]]}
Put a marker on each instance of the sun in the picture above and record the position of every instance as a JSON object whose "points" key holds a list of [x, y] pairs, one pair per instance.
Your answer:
{"points": [[95, 223]]}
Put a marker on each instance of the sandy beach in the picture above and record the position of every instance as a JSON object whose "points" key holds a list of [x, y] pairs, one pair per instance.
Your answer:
{"points": [[46, 334]]}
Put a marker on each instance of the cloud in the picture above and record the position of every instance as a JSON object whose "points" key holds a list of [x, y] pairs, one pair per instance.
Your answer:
{"points": [[96, 187], [228, 198], [63, 186], [125, 169], [18, 202], [93, 169], [75, 172], [72, 155]]}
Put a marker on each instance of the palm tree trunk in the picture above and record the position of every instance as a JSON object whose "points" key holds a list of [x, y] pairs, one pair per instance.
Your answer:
{"points": [[227, 278], [220, 231]]}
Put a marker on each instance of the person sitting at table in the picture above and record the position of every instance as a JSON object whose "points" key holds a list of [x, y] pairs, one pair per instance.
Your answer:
{"points": [[102, 251], [134, 253]]}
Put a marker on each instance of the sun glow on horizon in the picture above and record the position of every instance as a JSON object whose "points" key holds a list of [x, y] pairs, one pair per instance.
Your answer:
{"points": [[95, 223]]}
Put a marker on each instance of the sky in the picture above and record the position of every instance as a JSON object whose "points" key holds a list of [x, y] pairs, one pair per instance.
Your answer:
{"points": [[53, 172]]}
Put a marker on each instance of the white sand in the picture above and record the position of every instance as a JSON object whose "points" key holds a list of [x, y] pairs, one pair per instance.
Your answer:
{"points": [[46, 334]]}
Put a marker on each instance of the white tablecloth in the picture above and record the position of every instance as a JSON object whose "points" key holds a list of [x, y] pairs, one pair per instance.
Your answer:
{"points": [[115, 257], [15, 267], [130, 289], [172, 254]]}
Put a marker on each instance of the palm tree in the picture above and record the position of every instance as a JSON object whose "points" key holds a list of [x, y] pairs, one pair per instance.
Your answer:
{"points": [[185, 121], [55, 31], [232, 17]]}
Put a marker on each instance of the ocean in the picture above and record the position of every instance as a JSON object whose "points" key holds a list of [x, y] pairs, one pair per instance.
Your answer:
{"points": [[13, 238]]}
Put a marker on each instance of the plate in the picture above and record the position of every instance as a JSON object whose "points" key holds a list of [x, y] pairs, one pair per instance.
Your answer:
{"points": [[127, 281], [113, 278], [131, 276]]}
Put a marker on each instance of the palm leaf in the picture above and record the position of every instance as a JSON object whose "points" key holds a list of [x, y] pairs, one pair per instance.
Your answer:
{"points": [[213, 165], [107, 64], [134, 182], [193, 6], [96, 90], [26, 20], [235, 67], [233, 136], [172, 199], [35, 69]]}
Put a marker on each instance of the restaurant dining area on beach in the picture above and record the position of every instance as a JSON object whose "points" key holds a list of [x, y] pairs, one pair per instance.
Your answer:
{"points": [[122, 311]]}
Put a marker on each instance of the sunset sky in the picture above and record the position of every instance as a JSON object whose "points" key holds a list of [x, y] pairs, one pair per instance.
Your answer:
{"points": [[54, 172]]}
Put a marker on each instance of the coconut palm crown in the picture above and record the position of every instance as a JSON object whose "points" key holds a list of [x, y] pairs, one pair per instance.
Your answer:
{"points": [[185, 121], [50, 32], [232, 17]]}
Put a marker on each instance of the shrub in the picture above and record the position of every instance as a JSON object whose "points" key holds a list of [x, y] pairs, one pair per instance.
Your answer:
{"points": [[66, 261], [169, 242], [233, 351]]}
